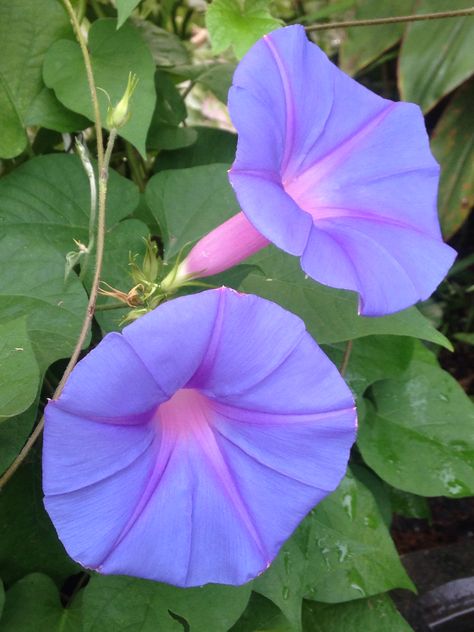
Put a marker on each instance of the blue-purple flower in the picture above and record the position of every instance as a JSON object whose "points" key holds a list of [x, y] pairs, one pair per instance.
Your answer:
{"points": [[188, 448], [330, 172]]}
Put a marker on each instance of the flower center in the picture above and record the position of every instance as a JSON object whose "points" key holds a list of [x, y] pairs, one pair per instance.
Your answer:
{"points": [[304, 190], [186, 413]]}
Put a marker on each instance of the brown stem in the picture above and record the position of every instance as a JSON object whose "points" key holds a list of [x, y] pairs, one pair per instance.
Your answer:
{"points": [[391, 20], [346, 357]]}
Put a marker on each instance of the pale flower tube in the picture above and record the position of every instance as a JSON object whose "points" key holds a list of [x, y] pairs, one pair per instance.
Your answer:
{"points": [[224, 247]]}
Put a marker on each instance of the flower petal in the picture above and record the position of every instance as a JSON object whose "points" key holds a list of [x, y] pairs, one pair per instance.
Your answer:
{"points": [[383, 170], [190, 532], [307, 448], [279, 218], [78, 452], [391, 266], [97, 387], [90, 520], [275, 75], [242, 350], [303, 381], [172, 340]]}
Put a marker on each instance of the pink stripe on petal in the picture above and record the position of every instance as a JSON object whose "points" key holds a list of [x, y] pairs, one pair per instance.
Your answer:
{"points": [[188, 416], [303, 187], [164, 453], [207, 441], [290, 113], [258, 417]]}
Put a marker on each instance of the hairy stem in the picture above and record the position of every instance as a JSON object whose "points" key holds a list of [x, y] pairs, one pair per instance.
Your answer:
{"points": [[90, 80], [103, 160], [392, 20]]}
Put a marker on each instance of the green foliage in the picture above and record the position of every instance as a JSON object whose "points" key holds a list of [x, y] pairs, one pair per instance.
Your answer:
{"points": [[123, 603], [341, 551], [33, 605], [170, 111], [435, 56], [14, 432], [418, 433], [216, 77], [330, 315], [188, 203], [48, 198], [370, 615], [114, 55], [29, 544], [34, 288], [453, 146], [19, 371], [166, 48], [365, 44], [125, 9], [261, 614], [238, 23], [409, 505], [27, 30], [125, 241], [373, 358], [335, 9], [46, 111], [211, 146]]}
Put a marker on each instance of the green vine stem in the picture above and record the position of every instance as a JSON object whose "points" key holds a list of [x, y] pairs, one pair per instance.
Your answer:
{"points": [[90, 80], [392, 20], [103, 178], [89, 169], [103, 163]]}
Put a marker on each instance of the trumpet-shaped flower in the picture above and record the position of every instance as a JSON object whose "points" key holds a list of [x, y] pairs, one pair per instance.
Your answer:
{"points": [[188, 448], [330, 172]]}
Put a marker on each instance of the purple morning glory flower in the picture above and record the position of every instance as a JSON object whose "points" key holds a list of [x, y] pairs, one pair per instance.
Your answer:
{"points": [[330, 172], [188, 448]]}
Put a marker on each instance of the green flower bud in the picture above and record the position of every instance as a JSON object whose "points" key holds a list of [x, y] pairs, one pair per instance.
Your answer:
{"points": [[119, 115], [151, 261]]}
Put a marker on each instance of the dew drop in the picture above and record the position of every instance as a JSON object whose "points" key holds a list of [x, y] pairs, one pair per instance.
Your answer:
{"points": [[356, 581], [458, 446], [454, 486], [348, 504], [343, 551], [359, 589], [370, 521]]}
